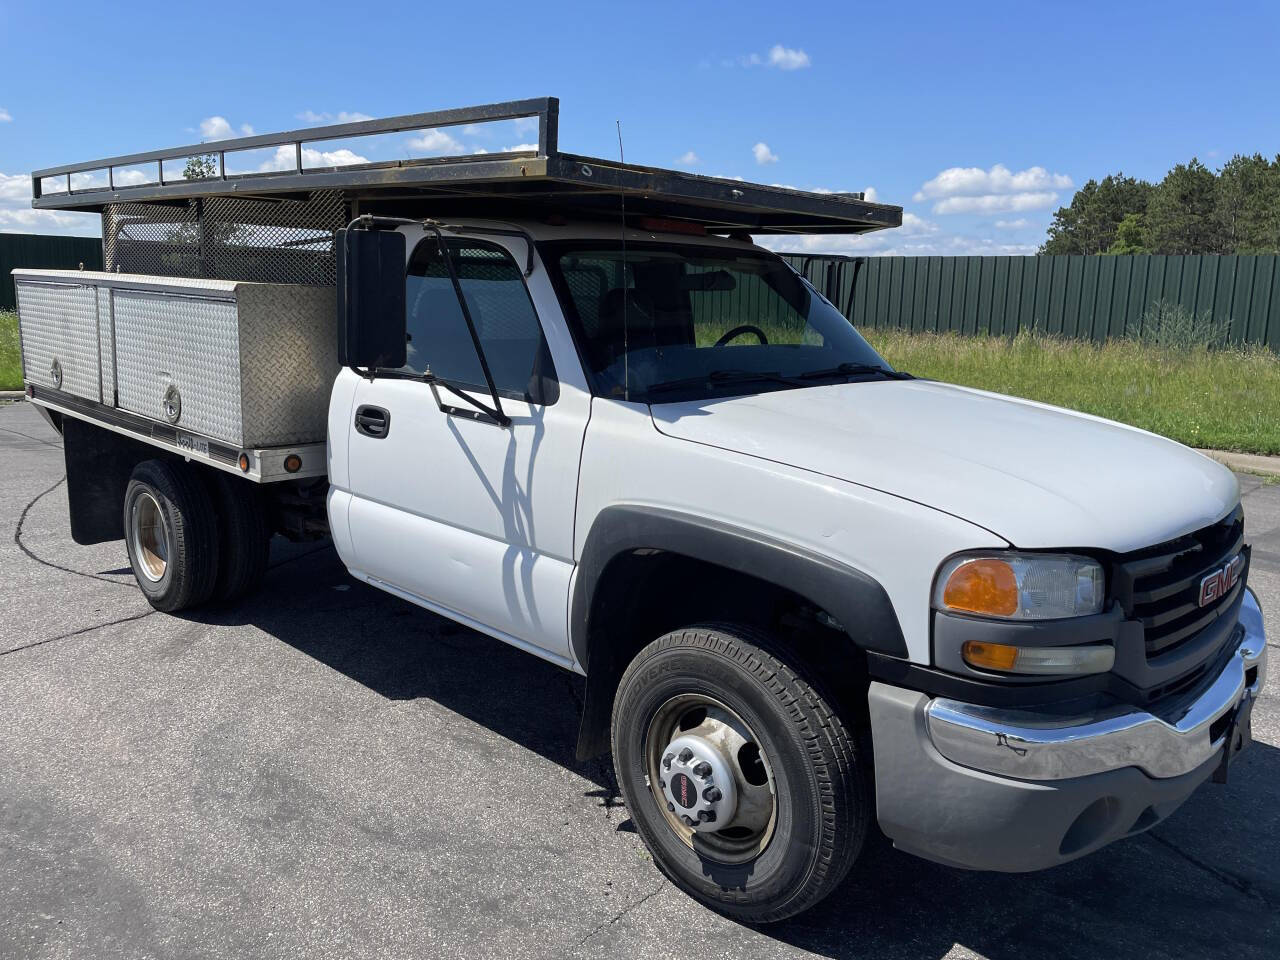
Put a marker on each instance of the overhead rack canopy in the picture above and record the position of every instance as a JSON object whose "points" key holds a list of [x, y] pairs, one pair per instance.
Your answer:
{"points": [[535, 182]]}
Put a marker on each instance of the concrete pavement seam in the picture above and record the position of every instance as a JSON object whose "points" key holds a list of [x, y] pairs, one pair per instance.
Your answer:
{"points": [[623, 912], [17, 539], [76, 633], [1235, 883], [19, 433]]}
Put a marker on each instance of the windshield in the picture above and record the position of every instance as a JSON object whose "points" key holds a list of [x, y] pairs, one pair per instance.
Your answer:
{"points": [[700, 321]]}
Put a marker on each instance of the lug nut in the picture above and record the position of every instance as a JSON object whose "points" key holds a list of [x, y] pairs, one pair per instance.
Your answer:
{"points": [[688, 820], [703, 769], [666, 761], [671, 806], [711, 794], [685, 755], [707, 816], [662, 783]]}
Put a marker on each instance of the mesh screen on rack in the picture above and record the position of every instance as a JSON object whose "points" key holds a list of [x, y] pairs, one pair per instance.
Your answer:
{"points": [[227, 238]]}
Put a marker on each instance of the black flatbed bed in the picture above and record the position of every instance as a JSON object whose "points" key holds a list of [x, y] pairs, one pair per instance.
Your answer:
{"points": [[534, 183]]}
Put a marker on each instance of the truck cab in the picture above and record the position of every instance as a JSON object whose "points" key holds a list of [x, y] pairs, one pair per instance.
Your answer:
{"points": [[810, 594]]}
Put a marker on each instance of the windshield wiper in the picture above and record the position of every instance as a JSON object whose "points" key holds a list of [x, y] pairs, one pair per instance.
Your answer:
{"points": [[726, 378], [855, 369]]}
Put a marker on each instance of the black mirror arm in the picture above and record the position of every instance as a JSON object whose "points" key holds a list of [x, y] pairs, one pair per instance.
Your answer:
{"points": [[497, 412], [497, 416]]}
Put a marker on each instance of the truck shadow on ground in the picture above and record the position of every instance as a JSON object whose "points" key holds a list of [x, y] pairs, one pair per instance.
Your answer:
{"points": [[1203, 883]]}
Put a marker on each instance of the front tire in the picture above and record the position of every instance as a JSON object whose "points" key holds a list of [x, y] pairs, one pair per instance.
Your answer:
{"points": [[712, 707], [170, 535]]}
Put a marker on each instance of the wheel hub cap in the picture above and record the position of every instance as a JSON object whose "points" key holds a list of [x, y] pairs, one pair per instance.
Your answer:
{"points": [[150, 538], [697, 781], [706, 769]]}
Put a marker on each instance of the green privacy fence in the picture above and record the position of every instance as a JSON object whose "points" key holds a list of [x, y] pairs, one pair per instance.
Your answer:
{"points": [[36, 250], [1086, 297]]}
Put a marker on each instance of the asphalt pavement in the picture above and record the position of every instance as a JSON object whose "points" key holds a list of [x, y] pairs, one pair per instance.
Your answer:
{"points": [[327, 771]]}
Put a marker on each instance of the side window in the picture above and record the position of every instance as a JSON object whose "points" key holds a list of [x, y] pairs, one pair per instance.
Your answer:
{"points": [[501, 310]]}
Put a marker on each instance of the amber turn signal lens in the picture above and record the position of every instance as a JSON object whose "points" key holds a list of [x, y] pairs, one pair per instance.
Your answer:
{"points": [[292, 463], [989, 656], [244, 463], [983, 586]]}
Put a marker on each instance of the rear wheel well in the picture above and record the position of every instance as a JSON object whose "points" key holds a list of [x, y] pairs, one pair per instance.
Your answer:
{"points": [[645, 593], [99, 463]]}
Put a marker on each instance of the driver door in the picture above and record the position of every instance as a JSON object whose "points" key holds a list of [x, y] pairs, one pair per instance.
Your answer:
{"points": [[454, 511]]}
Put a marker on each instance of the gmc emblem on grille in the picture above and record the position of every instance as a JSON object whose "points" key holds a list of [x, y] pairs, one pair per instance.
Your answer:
{"points": [[1219, 583]]}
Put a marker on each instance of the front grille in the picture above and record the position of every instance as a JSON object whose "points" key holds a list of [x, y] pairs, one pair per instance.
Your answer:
{"points": [[1160, 586]]}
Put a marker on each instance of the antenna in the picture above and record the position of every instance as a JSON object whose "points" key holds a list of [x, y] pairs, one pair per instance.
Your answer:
{"points": [[626, 346]]}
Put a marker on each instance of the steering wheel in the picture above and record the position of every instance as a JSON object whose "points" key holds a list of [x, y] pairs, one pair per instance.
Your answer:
{"points": [[739, 331]]}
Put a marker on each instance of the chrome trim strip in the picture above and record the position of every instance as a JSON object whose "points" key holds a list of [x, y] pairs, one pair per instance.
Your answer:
{"points": [[1031, 745]]}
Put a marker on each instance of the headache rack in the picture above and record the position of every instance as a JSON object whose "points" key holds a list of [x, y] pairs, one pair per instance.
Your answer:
{"points": [[537, 182], [215, 258]]}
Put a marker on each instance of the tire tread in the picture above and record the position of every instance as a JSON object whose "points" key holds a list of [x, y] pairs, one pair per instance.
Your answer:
{"points": [[844, 793]]}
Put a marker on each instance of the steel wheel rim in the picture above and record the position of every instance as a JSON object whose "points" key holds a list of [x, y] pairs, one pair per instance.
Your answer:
{"points": [[744, 837], [150, 537]]}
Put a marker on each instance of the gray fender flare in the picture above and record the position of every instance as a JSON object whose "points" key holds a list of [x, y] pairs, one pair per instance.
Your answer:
{"points": [[852, 597]]}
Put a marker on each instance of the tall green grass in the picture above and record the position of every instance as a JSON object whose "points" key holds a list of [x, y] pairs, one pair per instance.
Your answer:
{"points": [[10, 357], [1228, 398]]}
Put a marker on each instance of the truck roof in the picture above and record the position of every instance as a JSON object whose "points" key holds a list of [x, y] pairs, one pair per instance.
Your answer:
{"points": [[536, 182]]}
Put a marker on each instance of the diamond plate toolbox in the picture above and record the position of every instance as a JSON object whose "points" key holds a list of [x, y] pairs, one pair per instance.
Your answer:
{"points": [[250, 364]]}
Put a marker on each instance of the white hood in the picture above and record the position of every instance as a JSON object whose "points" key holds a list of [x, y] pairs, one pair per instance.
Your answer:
{"points": [[1036, 475]]}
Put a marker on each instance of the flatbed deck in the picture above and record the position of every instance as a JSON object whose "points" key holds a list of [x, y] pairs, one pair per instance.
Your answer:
{"points": [[535, 182]]}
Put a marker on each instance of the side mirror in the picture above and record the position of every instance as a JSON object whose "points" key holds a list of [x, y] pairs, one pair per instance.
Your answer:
{"points": [[371, 298]]}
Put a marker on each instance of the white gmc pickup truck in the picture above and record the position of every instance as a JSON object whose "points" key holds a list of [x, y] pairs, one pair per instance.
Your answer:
{"points": [[809, 593]]}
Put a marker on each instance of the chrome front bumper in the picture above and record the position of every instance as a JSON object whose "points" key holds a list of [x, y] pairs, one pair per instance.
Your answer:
{"points": [[1043, 746], [1017, 790]]}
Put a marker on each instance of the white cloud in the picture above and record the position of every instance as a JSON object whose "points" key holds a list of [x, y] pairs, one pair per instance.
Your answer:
{"points": [[218, 128], [526, 124], [763, 154], [436, 142], [784, 58], [342, 116], [16, 187], [285, 158], [1018, 224], [917, 237], [129, 178], [869, 194], [997, 203], [973, 181], [689, 159], [521, 148], [16, 215], [5, 116], [995, 190]]}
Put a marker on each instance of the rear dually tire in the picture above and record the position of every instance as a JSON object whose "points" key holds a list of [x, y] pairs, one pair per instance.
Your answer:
{"points": [[170, 534]]}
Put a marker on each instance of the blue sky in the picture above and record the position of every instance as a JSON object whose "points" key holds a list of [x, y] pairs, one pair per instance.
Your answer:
{"points": [[979, 119]]}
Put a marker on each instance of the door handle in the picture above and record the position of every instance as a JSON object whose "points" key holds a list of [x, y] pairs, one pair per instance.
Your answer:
{"points": [[373, 422]]}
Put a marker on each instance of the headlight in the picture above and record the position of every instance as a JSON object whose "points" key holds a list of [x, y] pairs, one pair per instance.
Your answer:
{"points": [[1020, 586]]}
